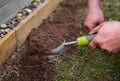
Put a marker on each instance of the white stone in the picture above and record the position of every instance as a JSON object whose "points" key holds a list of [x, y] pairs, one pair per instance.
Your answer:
{"points": [[19, 15], [28, 10], [2, 35], [3, 26], [7, 30]]}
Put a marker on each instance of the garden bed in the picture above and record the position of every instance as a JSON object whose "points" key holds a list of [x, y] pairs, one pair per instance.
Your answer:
{"points": [[31, 64], [17, 36], [28, 63]]}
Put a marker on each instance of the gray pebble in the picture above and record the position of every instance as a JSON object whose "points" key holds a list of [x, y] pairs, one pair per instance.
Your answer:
{"points": [[7, 30], [35, 4], [10, 26], [15, 22], [3, 26], [2, 35], [2, 30], [20, 18], [29, 11]]}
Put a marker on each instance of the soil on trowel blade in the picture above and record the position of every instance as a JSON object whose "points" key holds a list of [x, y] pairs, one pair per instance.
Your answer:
{"points": [[64, 22]]}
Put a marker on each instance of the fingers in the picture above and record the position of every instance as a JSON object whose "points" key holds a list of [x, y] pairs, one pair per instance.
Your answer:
{"points": [[89, 25], [93, 28], [97, 42], [111, 50], [96, 29], [94, 43]]}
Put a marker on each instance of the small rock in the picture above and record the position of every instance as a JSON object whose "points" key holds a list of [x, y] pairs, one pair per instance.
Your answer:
{"points": [[29, 7], [29, 11], [3, 26], [66, 34], [23, 17], [19, 15], [7, 30], [2, 35], [10, 26], [18, 50], [20, 18], [13, 57], [14, 22], [35, 4], [2, 30], [17, 20]]}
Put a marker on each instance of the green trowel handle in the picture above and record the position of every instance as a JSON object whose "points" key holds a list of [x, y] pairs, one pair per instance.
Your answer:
{"points": [[84, 40]]}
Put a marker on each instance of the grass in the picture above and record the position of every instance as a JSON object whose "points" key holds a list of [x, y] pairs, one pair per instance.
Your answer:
{"points": [[87, 65]]}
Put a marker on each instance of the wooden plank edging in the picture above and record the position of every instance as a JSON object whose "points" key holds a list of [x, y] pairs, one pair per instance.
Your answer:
{"points": [[16, 37], [7, 46]]}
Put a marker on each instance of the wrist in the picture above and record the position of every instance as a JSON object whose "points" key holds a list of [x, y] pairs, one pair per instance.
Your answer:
{"points": [[94, 9], [93, 5]]}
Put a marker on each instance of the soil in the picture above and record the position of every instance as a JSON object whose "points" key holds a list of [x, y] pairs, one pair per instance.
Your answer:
{"points": [[63, 23], [42, 41]]}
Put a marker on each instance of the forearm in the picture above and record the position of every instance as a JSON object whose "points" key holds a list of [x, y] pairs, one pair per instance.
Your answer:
{"points": [[93, 4]]}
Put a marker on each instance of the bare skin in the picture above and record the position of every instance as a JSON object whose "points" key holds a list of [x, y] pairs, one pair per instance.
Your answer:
{"points": [[108, 33], [108, 36], [95, 15]]}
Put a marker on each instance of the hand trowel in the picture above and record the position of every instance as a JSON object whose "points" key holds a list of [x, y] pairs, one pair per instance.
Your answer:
{"points": [[83, 40]]}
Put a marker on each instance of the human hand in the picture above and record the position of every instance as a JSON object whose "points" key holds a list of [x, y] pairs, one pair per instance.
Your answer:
{"points": [[94, 17], [108, 36]]}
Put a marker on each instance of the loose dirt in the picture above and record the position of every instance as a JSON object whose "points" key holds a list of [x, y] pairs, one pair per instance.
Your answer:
{"points": [[63, 23], [42, 41]]}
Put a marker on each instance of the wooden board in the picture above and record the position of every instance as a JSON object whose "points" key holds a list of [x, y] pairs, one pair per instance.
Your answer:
{"points": [[17, 36], [7, 46], [34, 20]]}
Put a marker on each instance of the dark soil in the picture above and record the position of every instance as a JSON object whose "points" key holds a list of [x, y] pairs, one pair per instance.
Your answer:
{"points": [[42, 41], [63, 23]]}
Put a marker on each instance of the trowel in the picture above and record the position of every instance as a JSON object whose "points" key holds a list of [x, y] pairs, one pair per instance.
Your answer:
{"points": [[83, 40]]}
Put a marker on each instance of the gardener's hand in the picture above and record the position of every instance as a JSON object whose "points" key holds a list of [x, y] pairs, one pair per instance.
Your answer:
{"points": [[108, 36], [94, 18], [95, 15]]}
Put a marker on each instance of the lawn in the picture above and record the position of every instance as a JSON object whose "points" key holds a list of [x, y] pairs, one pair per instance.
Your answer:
{"points": [[87, 65]]}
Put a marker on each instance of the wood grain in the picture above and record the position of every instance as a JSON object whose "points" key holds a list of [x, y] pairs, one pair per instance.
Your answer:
{"points": [[17, 36], [7, 46]]}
